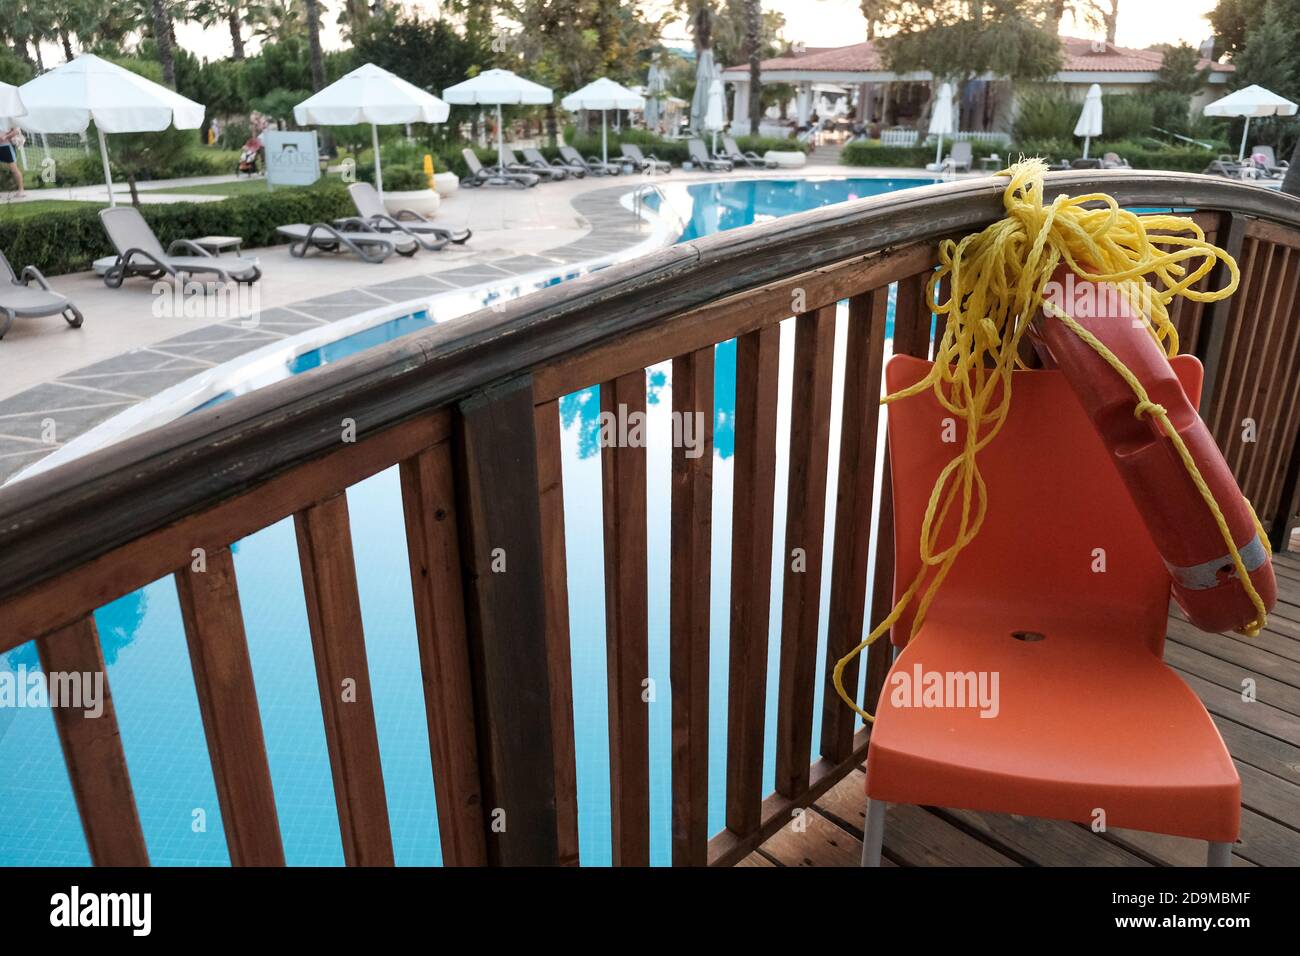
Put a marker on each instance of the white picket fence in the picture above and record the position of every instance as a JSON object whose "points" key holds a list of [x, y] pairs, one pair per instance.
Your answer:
{"points": [[905, 136]]}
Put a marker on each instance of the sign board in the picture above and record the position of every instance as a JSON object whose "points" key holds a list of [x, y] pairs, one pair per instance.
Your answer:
{"points": [[291, 158]]}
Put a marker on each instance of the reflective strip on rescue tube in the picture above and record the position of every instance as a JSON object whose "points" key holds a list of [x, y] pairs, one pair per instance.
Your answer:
{"points": [[1182, 527]]}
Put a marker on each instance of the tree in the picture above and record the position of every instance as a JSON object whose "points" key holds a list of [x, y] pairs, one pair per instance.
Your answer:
{"points": [[317, 55], [1270, 57], [957, 41], [162, 34], [1180, 71], [874, 11], [279, 20], [233, 13], [754, 41], [136, 155], [1231, 20], [1110, 16]]}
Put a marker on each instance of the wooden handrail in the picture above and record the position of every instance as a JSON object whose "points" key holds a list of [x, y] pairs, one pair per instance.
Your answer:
{"points": [[86, 507]]}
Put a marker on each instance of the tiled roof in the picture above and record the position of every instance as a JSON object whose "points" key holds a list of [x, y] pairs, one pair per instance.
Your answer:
{"points": [[1078, 56]]}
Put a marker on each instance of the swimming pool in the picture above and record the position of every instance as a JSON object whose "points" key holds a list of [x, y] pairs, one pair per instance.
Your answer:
{"points": [[153, 688]]}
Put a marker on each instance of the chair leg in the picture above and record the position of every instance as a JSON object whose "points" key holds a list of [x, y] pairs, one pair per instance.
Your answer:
{"points": [[1220, 854], [873, 836]]}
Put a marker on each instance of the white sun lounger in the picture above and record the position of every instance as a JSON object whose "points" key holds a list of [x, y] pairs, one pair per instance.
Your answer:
{"points": [[19, 300], [140, 253], [373, 214], [365, 244]]}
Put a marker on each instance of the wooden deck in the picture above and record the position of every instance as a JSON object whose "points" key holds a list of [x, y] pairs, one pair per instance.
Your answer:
{"points": [[1263, 736]]}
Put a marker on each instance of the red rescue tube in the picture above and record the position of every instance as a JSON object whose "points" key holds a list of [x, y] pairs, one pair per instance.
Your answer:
{"points": [[1205, 582]]}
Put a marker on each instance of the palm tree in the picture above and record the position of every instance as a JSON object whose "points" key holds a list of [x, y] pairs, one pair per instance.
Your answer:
{"points": [[313, 36], [278, 20], [163, 36], [754, 46], [233, 13]]}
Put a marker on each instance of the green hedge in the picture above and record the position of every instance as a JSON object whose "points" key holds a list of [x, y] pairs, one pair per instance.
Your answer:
{"points": [[869, 152], [89, 170], [69, 241]]}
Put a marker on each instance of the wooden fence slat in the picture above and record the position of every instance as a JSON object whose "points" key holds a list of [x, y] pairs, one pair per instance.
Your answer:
{"points": [[329, 580], [433, 549], [854, 496], [1254, 323], [92, 750], [1213, 330], [623, 475], [63, 599], [232, 721], [555, 571], [497, 488], [1256, 402], [805, 526], [1250, 262], [757, 356], [1283, 414], [691, 547], [913, 319]]}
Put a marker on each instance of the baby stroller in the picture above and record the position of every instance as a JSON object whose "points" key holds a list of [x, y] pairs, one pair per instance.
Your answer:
{"points": [[248, 156]]}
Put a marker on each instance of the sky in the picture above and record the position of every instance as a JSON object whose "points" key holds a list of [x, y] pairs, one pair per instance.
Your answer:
{"points": [[814, 22]]}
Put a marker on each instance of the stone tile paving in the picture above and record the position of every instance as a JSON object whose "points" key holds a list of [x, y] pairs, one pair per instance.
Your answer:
{"points": [[39, 420]]}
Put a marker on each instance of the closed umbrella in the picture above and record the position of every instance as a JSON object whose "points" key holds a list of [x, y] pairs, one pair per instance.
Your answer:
{"points": [[603, 94], [1249, 102], [941, 119], [715, 115], [370, 94], [498, 88], [705, 72], [1089, 124], [70, 97], [654, 90]]}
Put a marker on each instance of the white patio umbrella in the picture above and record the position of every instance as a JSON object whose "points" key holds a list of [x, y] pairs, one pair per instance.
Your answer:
{"points": [[654, 84], [1089, 124], [941, 119], [1249, 102], [498, 88], [68, 98], [603, 94], [370, 94], [715, 115], [705, 73]]}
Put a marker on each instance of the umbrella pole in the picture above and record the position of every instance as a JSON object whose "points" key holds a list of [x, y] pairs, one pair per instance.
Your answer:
{"points": [[379, 173], [1245, 129], [938, 151], [1086, 141], [103, 155], [501, 143], [604, 138]]}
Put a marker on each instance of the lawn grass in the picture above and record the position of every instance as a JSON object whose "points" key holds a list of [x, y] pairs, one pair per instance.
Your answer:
{"points": [[239, 187], [39, 207]]}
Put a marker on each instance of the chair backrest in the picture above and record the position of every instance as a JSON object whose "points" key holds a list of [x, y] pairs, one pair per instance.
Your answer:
{"points": [[7, 274], [729, 144], [571, 155], [366, 198], [961, 151], [127, 229], [1266, 152], [695, 147], [508, 154], [1054, 499], [471, 161], [632, 151]]}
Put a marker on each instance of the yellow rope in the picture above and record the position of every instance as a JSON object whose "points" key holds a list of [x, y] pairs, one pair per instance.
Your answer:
{"points": [[996, 280]]}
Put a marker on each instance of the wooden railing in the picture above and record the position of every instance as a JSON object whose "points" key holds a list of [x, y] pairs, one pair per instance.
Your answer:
{"points": [[468, 411]]}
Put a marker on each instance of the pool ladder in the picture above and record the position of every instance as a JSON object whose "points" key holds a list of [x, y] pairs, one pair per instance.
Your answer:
{"points": [[638, 200]]}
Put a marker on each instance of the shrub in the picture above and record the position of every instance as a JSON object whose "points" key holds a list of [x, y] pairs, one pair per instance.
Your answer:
{"points": [[870, 152], [86, 170], [69, 241], [1044, 113], [397, 177], [1126, 115]]}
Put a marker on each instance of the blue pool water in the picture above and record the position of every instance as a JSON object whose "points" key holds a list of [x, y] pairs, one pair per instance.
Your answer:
{"points": [[153, 688]]}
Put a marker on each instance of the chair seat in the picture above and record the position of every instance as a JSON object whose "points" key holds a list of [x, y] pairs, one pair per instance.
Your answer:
{"points": [[30, 300], [1087, 718]]}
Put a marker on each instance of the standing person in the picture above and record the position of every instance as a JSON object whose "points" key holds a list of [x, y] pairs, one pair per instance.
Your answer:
{"points": [[10, 140]]}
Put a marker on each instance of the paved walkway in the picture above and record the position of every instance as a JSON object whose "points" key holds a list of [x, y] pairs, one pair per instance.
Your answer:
{"points": [[56, 383]]}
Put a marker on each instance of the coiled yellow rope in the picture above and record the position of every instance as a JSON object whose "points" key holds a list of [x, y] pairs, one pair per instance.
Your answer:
{"points": [[996, 280]]}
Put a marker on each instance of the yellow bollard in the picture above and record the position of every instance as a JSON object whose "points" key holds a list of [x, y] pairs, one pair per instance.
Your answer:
{"points": [[428, 170]]}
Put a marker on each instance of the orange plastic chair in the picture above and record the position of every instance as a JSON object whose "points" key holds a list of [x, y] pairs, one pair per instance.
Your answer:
{"points": [[1088, 718]]}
